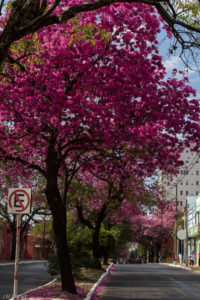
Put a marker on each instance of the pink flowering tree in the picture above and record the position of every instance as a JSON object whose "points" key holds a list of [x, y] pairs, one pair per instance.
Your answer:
{"points": [[110, 193], [101, 196], [92, 85], [154, 229], [27, 16]]}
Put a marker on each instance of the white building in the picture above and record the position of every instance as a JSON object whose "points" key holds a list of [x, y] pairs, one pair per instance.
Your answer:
{"points": [[186, 183]]}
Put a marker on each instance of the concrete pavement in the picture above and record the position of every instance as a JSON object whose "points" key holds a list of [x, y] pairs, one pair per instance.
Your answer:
{"points": [[151, 281], [31, 275]]}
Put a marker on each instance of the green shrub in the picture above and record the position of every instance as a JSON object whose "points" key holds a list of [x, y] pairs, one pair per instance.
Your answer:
{"points": [[86, 262], [53, 264]]}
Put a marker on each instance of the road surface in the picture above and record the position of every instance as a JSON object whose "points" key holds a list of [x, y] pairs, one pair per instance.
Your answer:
{"points": [[31, 275], [151, 281]]}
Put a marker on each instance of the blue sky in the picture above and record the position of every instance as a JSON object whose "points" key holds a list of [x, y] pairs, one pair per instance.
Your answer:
{"points": [[172, 61]]}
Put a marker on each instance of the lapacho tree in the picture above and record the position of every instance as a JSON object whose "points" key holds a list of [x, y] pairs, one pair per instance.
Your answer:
{"points": [[93, 84], [153, 230]]}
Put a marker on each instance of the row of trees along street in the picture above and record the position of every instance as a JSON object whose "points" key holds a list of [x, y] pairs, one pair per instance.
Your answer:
{"points": [[84, 99]]}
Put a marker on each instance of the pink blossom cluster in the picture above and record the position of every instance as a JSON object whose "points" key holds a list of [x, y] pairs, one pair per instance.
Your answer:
{"points": [[56, 292], [155, 227]]}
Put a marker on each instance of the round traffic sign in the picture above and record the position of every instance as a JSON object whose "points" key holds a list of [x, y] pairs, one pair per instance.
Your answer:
{"points": [[19, 201], [181, 234]]}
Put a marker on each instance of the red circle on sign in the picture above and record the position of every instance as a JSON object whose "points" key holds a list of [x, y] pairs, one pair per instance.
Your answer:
{"points": [[15, 193]]}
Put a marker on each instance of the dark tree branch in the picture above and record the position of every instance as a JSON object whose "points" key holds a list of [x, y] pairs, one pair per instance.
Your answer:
{"points": [[1, 6], [5, 157], [82, 218]]}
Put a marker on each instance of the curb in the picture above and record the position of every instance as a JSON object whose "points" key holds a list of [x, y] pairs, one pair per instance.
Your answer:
{"points": [[176, 266], [93, 289], [24, 294], [22, 262]]}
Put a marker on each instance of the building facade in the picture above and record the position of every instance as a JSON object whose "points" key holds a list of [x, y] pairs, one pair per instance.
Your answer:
{"points": [[186, 183], [39, 247], [193, 226], [6, 242]]}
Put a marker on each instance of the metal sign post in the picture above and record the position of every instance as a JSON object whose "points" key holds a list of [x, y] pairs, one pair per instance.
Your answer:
{"points": [[16, 257], [181, 234], [19, 202]]}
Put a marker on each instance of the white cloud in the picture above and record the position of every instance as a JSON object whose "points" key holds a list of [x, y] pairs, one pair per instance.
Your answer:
{"points": [[174, 62]]}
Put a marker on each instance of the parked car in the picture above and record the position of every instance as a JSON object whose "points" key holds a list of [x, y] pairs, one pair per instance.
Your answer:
{"points": [[134, 261]]}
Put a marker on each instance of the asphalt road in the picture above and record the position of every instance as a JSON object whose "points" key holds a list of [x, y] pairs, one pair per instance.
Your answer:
{"points": [[31, 275], [151, 281]]}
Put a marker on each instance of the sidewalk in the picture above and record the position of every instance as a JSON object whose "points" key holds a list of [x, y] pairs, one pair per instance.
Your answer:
{"points": [[195, 269]]}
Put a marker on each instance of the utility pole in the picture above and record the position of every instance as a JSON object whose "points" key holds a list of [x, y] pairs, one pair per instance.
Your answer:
{"points": [[176, 240], [43, 238], [186, 230]]}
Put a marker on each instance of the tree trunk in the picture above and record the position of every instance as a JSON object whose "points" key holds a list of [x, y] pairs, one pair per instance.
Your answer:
{"points": [[105, 260], [95, 247], [151, 255], [58, 209], [95, 241], [157, 253], [59, 227]]}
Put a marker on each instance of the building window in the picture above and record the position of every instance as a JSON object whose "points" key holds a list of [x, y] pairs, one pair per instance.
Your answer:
{"points": [[186, 183], [181, 203], [197, 162], [197, 172], [196, 218], [186, 193], [184, 172], [197, 182], [181, 192], [197, 193]]}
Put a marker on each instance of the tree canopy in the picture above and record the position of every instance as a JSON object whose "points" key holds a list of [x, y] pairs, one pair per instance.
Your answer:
{"points": [[27, 17]]}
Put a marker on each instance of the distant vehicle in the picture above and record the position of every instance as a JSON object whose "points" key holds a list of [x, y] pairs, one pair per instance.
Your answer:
{"points": [[134, 261], [138, 260], [118, 260], [144, 261]]}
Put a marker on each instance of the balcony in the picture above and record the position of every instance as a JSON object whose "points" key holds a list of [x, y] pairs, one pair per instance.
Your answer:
{"points": [[194, 230]]}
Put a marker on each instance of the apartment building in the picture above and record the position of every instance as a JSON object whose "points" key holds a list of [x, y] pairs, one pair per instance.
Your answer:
{"points": [[186, 183]]}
